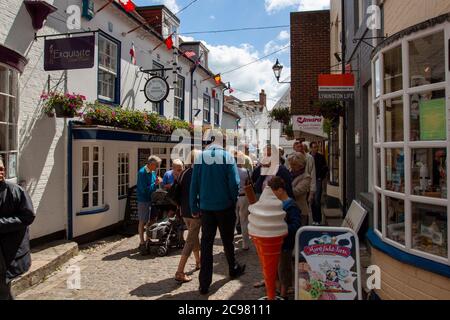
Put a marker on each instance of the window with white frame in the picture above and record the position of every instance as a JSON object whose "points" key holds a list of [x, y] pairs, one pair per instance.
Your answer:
{"points": [[8, 119], [92, 177], [410, 148], [108, 69], [217, 112], [206, 109], [179, 98], [123, 174]]}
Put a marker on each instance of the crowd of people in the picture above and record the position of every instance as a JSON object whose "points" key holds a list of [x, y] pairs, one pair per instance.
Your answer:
{"points": [[212, 194]]}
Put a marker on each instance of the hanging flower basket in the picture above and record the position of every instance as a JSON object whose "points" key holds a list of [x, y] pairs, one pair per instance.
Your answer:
{"points": [[62, 105]]}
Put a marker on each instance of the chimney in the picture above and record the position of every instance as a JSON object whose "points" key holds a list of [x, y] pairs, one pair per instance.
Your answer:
{"points": [[262, 99]]}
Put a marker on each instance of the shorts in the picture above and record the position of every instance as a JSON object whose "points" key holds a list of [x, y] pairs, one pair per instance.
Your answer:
{"points": [[144, 211]]}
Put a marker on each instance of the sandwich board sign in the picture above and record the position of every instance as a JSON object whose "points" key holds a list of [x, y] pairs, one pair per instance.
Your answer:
{"points": [[327, 264]]}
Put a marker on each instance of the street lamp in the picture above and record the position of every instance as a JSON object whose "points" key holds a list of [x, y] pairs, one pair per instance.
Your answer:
{"points": [[277, 69]]}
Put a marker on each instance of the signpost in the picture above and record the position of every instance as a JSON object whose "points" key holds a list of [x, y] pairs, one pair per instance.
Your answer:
{"points": [[337, 87], [156, 89], [69, 53], [327, 264]]}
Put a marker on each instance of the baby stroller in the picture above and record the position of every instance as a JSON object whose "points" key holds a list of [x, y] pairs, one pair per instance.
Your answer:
{"points": [[167, 232]]}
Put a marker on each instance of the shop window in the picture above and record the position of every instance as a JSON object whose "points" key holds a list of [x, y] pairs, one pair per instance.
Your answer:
{"points": [[393, 70], [428, 116], [8, 120], [393, 119], [429, 173], [377, 123], [395, 220], [378, 212], [92, 177], [395, 170], [158, 107], [217, 112], [429, 229], [123, 170], [378, 167], [179, 99], [377, 78], [206, 109], [427, 60], [108, 69]]}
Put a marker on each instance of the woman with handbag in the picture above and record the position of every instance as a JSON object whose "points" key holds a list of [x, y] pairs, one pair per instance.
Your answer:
{"points": [[192, 244]]}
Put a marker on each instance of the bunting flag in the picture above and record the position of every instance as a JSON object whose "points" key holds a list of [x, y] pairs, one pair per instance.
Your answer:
{"points": [[128, 5], [169, 42], [197, 63], [231, 90], [218, 79], [189, 54], [133, 54], [213, 93]]}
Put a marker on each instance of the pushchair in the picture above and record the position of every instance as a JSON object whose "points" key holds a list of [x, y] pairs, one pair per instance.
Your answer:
{"points": [[167, 232]]}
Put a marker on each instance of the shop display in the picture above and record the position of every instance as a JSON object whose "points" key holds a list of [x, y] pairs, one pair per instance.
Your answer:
{"points": [[267, 228]]}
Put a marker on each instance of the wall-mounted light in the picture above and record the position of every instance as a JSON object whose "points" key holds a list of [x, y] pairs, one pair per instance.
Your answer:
{"points": [[277, 69]]}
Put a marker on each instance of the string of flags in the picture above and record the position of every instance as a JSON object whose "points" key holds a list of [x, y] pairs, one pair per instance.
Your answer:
{"points": [[133, 54], [128, 5]]}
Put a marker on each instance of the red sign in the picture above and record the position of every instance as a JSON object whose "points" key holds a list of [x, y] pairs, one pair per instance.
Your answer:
{"points": [[128, 5], [337, 80]]}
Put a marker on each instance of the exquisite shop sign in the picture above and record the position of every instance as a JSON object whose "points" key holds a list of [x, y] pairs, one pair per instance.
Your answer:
{"points": [[69, 53]]}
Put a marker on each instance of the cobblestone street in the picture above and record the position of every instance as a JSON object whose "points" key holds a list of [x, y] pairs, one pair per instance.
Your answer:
{"points": [[115, 270]]}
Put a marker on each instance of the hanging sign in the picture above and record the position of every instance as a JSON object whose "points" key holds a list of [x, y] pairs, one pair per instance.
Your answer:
{"points": [[327, 264], [308, 124], [69, 53], [336, 87], [156, 89]]}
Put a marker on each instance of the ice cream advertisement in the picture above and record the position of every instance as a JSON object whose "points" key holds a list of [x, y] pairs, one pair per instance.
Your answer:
{"points": [[327, 268]]}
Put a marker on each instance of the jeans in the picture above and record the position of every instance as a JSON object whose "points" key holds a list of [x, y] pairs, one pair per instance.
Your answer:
{"points": [[5, 287], [211, 220], [316, 206], [242, 214]]}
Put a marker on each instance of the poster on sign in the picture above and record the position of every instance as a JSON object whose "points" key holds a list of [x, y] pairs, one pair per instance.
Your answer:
{"points": [[309, 124], [327, 264]]}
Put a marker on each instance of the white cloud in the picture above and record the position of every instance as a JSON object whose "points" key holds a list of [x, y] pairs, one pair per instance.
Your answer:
{"points": [[301, 5], [171, 4], [212, 17], [284, 35], [273, 46]]}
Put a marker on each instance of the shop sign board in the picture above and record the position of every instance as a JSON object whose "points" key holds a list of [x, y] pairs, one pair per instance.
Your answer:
{"points": [[336, 87], [69, 53], [327, 264], [309, 124], [156, 89], [433, 124]]}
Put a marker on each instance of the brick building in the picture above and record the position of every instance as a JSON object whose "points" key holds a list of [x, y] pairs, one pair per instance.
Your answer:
{"points": [[310, 56]]}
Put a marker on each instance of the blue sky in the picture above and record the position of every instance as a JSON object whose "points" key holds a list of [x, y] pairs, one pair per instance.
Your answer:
{"points": [[230, 50]]}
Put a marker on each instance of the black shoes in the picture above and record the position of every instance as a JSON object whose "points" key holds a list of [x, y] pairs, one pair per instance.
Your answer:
{"points": [[203, 291], [237, 271]]}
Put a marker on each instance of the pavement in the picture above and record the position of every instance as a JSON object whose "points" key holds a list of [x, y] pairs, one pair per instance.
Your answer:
{"points": [[115, 270]]}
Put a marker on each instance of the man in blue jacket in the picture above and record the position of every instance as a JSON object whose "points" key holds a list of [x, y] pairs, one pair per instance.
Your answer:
{"points": [[147, 183], [213, 196]]}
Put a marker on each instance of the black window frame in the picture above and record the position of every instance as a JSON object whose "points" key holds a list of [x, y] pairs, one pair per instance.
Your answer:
{"points": [[116, 100]]}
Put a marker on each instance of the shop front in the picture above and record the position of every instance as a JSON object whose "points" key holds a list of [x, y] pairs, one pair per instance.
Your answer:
{"points": [[411, 90]]}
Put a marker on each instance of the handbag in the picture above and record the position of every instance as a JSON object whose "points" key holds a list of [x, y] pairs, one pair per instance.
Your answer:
{"points": [[174, 193], [249, 191]]}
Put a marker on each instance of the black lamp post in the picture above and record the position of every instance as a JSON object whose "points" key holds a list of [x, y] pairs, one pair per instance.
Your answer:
{"points": [[277, 69]]}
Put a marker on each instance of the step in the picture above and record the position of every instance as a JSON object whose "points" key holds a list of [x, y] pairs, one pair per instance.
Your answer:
{"points": [[45, 260]]}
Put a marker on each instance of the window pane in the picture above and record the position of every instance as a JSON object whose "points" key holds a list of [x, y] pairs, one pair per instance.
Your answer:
{"points": [[86, 169], [378, 123], [393, 70], [395, 170], [429, 172], [393, 120], [12, 137], [85, 185], [95, 153], [95, 169], [85, 153], [377, 78], [379, 212], [428, 116], [95, 184], [12, 110], [106, 84], [378, 165], [4, 103], [95, 199], [86, 200], [427, 60], [3, 135], [4, 80], [395, 220], [429, 229]]}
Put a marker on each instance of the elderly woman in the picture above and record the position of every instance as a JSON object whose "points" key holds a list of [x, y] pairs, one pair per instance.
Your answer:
{"points": [[193, 224], [301, 183]]}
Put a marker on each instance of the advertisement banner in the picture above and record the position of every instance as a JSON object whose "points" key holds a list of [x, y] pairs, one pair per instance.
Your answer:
{"points": [[69, 53], [327, 264], [309, 124], [433, 124]]}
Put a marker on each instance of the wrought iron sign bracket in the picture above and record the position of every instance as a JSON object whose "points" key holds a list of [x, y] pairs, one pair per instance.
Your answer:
{"points": [[68, 34], [363, 40], [153, 72]]}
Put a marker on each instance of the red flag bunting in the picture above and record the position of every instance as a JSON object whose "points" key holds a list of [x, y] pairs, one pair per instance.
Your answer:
{"points": [[128, 5], [169, 42], [189, 54], [218, 79], [133, 54]]}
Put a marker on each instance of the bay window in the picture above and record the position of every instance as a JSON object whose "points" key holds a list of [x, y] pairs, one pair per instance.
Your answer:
{"points": [[410, 127]]}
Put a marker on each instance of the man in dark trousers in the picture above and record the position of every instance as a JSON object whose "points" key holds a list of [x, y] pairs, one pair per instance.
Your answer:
{"points": [[213, 196], [321, 175], [16, 214]]}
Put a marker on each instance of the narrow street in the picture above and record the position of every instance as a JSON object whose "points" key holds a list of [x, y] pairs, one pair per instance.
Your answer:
{"points": [[115, 270]]}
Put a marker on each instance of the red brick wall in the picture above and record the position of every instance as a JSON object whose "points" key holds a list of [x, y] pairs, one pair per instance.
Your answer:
{"points": [[310, 56]]}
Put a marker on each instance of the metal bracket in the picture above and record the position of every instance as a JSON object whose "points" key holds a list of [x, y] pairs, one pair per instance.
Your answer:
{"points": [[356, 40]]}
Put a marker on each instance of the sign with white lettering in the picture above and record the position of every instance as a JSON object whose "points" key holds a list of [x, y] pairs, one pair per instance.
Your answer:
{"points": [[327, 264], [337, 87], [309, 124], [156, 89], [69, 53]]}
